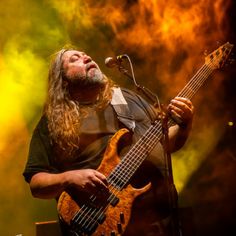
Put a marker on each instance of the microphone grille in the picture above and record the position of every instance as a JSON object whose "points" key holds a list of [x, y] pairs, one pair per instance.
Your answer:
{"points": [[110, 62]]}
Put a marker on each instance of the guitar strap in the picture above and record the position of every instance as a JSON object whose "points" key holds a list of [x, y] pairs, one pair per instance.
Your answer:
{"points": [[122, 109]]}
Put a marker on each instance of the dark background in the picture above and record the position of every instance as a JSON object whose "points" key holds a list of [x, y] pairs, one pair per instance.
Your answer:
{"points": [[166, 40], [212, 187]]}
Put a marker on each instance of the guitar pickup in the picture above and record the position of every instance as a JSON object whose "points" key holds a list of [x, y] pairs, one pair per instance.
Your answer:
{"points": [[101, 218], [113, 199]]}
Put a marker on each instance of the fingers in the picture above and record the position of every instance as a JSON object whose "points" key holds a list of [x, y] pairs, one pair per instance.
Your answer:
{"points": [[182, 104], [89, 180], [96, 184], [182, 108], [100, 182], [101, 177]]}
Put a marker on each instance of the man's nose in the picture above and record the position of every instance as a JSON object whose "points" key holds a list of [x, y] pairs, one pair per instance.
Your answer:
{"points": [[87, 59]]}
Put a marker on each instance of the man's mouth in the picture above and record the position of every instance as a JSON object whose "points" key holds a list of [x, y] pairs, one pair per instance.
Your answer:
{"points": [[91, 66]]}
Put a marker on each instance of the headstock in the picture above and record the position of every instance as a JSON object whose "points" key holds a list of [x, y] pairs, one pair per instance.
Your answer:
{"points": [[218, 58]]}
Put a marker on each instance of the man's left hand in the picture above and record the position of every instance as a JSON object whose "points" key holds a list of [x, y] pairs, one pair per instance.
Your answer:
{"points": [[182, 110]]}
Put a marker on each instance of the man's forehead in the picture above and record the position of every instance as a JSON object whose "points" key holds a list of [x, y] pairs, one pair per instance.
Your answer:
{"points": [[68, 53]]}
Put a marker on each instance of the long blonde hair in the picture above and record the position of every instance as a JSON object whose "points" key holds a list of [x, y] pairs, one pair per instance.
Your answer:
{"points": [[63, 113]]}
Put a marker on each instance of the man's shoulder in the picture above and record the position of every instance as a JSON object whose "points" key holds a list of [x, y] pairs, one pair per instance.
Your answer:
{"points": [[134, 98], [128, 92]]}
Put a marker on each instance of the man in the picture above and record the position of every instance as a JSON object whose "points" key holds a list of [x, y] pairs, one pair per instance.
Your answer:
{"points": [[79, 119]]}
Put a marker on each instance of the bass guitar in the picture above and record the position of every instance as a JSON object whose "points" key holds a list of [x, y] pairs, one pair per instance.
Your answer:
{"points": [[110, 216]]}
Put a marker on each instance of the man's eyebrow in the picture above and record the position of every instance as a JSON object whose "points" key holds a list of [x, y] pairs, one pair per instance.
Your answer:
{"points": [[79, 54], [75, 54]]}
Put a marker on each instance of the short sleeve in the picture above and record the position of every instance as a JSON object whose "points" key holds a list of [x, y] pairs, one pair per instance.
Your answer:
{"points": [[40, 152]]}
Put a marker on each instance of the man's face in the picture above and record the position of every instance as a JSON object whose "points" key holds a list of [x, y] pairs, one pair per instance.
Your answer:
{"points": [[81, 70]]}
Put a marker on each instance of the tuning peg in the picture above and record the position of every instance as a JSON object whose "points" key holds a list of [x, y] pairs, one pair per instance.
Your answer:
{"points": [[205, 52]]}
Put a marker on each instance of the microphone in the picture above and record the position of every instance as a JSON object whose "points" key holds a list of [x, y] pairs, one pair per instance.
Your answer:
{"points": [[114, 61]]}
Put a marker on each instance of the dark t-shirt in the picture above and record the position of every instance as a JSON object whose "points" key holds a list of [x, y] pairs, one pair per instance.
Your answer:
{"points": [[96, 130]]}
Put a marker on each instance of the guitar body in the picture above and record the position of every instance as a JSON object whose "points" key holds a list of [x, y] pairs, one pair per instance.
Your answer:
{"points": [[116, 217]]}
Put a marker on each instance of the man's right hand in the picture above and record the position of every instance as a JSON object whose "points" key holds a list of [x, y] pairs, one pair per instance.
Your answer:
{"points": [[87, 180]]}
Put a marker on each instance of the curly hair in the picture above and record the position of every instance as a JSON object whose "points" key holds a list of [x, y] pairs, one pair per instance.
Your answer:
{"points": [[64, 113]]}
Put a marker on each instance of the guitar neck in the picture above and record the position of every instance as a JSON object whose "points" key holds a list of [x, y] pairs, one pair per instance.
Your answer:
{"points": [[191, 88], [193, 85], [123, 172], [120, 176]]}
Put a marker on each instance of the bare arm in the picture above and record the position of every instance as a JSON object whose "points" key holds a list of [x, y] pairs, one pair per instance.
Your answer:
{"points": [[47, 185], [182, 109]]}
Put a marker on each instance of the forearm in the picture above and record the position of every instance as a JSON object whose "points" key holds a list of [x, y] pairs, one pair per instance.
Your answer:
{"points": [[181, 110], [46, 185], [178, 136]]}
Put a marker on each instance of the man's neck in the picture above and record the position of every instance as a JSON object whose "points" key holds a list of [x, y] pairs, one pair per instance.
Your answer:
{"points": [[85, 95]]}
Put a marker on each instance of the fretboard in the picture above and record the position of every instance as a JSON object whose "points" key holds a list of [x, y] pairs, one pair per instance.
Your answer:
{"points": [[123, 172]]}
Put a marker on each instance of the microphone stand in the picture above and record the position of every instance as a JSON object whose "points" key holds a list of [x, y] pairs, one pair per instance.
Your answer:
{"points": [[164, 117]]}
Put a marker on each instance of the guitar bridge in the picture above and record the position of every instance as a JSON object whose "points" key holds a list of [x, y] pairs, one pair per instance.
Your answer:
{"points": [[87, 225]]}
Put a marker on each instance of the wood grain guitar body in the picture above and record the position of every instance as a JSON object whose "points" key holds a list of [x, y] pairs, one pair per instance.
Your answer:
{"points": [[109, 217]]}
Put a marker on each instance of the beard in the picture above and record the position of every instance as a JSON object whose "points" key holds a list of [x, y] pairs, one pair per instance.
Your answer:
{"points": [[93, 78]]}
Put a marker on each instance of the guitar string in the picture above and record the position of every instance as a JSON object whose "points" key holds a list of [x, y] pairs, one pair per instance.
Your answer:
{"points": [[193, 81], [153, 134], [122, 169], [145, 145], [114, 191], [187, 92], [99, 212], [197, 85]]}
